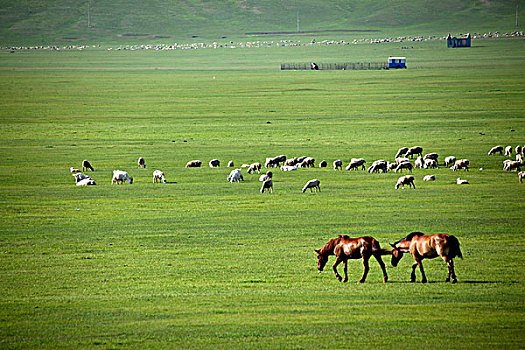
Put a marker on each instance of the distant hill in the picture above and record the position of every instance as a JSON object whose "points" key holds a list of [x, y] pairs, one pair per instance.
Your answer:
{"points": [[99, 21]]}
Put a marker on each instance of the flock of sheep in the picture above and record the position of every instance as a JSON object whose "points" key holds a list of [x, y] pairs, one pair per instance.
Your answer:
{"points": [[402, 162]]}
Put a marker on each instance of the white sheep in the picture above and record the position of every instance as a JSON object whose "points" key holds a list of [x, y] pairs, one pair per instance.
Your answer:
{"points": [[312, 184], [521, 175], [378, 165], [419, 162], [158, 176], [141, 162], [355, 163], [461, 164], [235, 176], [496, 149], [431, 156], [412, 151], [401, 160], [80, 176], [449, 161], [291, 161], [401, 152], [512, 165], [121, 177], [403, 165], [288, 168], [86, 182], [429, 178], [405, 180], [508, 151], [430, 163], [518, 149], [254, 167], [194, 164], [461, 182], [519, 158], [74, 170]]}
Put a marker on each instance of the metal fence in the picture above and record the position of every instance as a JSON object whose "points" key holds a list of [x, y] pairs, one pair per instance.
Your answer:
{"points": [[335, 66]]}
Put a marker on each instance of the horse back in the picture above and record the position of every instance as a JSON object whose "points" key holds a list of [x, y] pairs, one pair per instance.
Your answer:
{"points": [[446, 245]]}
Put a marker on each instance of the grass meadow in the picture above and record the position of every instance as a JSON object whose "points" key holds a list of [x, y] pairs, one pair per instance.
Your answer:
{"points": [[202, 263]]}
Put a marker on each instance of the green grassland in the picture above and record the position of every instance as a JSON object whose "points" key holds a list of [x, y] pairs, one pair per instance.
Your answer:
{"points": [[202, 263]]}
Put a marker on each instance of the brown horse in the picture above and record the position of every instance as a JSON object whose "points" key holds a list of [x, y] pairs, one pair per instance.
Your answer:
{"points": [[423, 246], [344, 248]]}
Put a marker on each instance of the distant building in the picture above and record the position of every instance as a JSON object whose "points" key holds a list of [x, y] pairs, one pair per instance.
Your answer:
{"points": [[458, 42], [397, 62]]}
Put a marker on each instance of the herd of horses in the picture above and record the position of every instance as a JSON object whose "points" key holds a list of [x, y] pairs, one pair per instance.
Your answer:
{"points": [[419, 245]]}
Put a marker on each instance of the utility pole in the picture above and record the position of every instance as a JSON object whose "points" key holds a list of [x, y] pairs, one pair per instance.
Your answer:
{"points": [[89, 14]]}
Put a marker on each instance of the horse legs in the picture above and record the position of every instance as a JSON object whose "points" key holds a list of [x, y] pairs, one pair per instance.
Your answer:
{"points": [[451, 271], [382, 264], [345, 266], [365, 272], [424, 277], [337, 262], [413, 275]]}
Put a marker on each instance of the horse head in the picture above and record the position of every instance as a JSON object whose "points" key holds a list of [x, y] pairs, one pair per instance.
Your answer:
{"points": [[322, 259], [397, 254]]}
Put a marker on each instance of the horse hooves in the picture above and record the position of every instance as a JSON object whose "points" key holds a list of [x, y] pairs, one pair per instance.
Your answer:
{"points": [[454, 281], [424, 281], [361, 281], [385, 279], [345, 280], [447, 280]]}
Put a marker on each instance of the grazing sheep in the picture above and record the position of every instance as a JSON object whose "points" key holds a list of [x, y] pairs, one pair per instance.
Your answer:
{"points": [[235, 176], [405, 180], [416, 150], [80, 176], [430, 163], [141, 162], [450, 160], [461, 164], [312, 184], [301, 165], [194, 164], [403, 165], [74, 170], [86, 165], [86, 182], [419, 162], [508, 151], [158, 176], [378, 165], [301, 159], [267, 185], [230, 164], [309, 162], [279, 159], [401, 152], [255, 167], [355, 163], [496, 149], [401, 160], [429, 178], [121, 177], [521, 175], [288, 168], [461, 182], [518, 149], [338, 164], [271, 163], [519, 158], [290, 161], [323, 164], [431, 156], [214, 163], [513, 165]]}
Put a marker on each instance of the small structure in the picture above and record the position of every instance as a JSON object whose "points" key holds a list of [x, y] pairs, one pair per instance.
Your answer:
{"points": [[397, 62], [458, 42]]}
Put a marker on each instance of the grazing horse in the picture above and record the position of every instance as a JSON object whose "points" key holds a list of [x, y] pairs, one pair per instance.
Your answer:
{"points": [[345, 247], [423, 246]]}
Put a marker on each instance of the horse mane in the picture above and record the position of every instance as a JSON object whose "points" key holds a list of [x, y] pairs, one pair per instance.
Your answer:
{"points": [[410, 236], [330, 245]]}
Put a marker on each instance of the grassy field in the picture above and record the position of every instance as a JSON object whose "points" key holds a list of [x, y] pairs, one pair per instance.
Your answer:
{"points": [[202, 263]]}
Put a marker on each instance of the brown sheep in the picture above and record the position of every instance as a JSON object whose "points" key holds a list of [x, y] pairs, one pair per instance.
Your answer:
{"points": [[461, 164], [255, 167], [194, 164], [405, 180]]}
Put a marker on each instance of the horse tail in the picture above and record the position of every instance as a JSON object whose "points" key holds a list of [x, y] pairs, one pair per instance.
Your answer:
{"points": [[376, 248], [454, 243]]}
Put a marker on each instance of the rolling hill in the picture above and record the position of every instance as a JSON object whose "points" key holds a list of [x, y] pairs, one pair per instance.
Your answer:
{"points": [[98, 21]]}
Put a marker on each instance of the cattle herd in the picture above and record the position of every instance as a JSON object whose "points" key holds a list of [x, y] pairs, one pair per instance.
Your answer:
{"points": [[402, 161]]}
